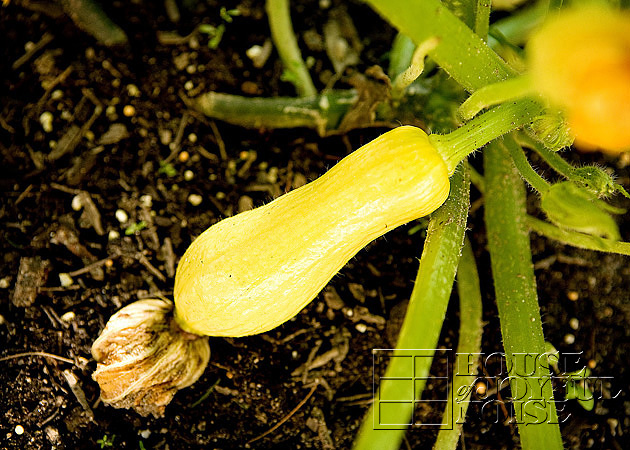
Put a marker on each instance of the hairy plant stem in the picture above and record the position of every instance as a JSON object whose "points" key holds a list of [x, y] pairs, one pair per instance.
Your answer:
{"points": [[427, 305], [517, 301], [458, 144], [577, 239], [468, 348], [523, 166]]}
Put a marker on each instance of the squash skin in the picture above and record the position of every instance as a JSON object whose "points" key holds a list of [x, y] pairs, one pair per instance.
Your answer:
{"points": [[250, 273]]}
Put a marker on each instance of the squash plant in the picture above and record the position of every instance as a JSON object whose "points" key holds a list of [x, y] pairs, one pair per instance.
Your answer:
{"points": [[249, 273]]}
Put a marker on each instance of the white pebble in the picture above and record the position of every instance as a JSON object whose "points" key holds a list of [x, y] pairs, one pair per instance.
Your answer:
{"points": [[46, 119], [122, 216], [145, 434], [65, 280], [195, 199], [56, 94], [361, 327], [68, 317], [574, 323], [5, 282], [77, 204], [189, 85], [189, 175], [254, 51], [19, 430], [192, 137], [146, 200], [569, 339], [113, 235]]}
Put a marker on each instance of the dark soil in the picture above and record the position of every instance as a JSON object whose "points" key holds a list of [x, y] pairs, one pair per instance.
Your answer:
{"points": [[117, 115]]}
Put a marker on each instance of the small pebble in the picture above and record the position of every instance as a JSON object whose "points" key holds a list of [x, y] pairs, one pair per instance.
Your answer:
{"points": [[113, 235], [65, 280], [57, 94], [189, 175], [195, 199], [110, 111], [2, 320], [76, 203], [4, 282], [146, 200], [361, 327], [46, 120], [189, 85], [183, 156], [481, 388], [574, 323], [573, 296], [145, 434], [19, 430], [68, 317], [592, 363], [192, 137], [569, 339], [121, 216], [109, 263], [133, 90], [129, 111]]}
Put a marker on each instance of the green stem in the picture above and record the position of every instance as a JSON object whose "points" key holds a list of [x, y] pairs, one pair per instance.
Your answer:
{"points": [[555, 161], [427, 306], [517, 301], [458, 144], [469, 344], [482, 18], [90, 17], [461, 53], [493, 94], [322, 112], [523, 166], [286, 44], [576, 239]]}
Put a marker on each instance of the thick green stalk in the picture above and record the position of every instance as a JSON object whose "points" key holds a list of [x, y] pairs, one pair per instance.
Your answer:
{"points": [[458, 144], [469, 343], [463, 54], [423, 321], [482, 18], [517, 301], [286, 44]]}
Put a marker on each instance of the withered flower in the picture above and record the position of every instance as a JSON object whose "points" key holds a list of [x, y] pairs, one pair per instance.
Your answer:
{"points": [[144, 357]]}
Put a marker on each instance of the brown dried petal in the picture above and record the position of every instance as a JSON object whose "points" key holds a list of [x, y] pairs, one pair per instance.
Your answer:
{"points": [[144, 358]]}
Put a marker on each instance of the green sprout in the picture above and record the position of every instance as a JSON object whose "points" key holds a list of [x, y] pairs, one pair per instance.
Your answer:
{"points": [[135, 228], [106, 441], [215, 34]]}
